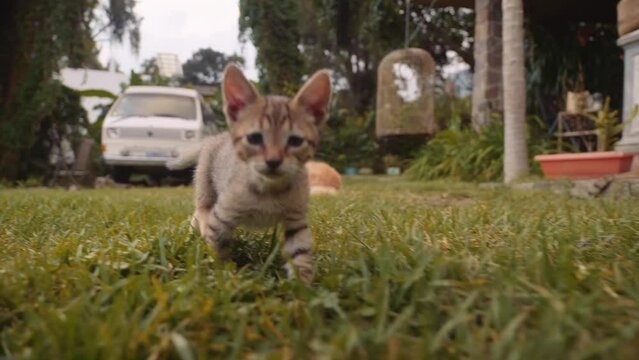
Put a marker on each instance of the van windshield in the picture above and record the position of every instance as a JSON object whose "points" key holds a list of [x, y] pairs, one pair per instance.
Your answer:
{"points": [[155, 105]]}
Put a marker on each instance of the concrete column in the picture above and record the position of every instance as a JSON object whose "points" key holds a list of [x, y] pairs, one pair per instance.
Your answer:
{"points": [[630, 140], [487, 80]]}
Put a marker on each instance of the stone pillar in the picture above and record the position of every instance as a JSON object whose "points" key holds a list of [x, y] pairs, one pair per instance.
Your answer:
{"points": [[487, 79], [630, 140]]}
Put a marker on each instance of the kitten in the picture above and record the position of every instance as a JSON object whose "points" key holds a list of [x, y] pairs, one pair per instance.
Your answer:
{"points": [[254, 174]]}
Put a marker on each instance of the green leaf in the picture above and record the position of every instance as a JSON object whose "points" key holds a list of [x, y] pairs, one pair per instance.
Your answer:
{"points": [[97, 93]]}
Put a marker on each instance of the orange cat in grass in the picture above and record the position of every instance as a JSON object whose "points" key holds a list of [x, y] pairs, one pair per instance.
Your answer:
{"points": [[323, 179]]}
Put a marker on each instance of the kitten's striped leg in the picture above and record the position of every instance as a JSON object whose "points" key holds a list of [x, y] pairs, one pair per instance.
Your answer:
{"points": [[298, 249], [217, 233]]}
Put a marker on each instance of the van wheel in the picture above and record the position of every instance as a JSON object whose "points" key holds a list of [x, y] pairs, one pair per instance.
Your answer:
{"points": [[121, 174]]}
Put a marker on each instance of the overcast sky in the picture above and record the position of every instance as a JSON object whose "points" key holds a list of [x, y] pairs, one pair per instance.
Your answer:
{"points": [[182, 27]]}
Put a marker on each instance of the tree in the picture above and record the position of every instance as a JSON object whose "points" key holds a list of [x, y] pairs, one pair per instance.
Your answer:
{"points": [[351, 37], [515, 147], [149, 75], [206, 67], [37, 38], [121, 20], [273, 28]]}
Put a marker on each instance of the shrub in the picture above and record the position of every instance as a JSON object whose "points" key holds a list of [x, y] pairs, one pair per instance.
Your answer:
{"points": [[462, 154], [349, 140], [452, 112], [467, 155]]}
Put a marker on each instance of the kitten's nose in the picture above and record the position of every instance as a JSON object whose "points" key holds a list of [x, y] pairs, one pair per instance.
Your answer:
{"points": [[273, 164]]}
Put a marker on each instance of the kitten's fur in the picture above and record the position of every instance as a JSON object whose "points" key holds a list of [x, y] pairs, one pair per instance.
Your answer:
{"points": [[322, 178], [254, 175]]}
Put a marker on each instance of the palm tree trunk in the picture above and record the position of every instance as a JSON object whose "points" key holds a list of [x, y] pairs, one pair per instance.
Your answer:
{"points": [[515, 147]]}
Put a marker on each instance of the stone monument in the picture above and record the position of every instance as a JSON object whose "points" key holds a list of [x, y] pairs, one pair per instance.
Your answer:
{"points": [[405, 103]]}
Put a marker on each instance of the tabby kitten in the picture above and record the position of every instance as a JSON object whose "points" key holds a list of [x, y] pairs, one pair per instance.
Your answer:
{"points": [[254, 174]]}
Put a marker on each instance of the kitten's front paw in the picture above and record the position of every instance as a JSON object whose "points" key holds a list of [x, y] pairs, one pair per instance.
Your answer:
{"points": [[301, 267]]}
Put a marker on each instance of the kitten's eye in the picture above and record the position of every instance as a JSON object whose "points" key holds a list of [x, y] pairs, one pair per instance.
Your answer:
{"points": [[255, 139], [295, 140]]}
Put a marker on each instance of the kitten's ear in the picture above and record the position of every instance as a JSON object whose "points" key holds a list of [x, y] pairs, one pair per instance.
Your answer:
{"points": [[237, 90], [315, 96]]}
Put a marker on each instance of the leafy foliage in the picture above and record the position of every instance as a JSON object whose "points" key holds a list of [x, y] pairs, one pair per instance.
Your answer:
{"points": [[206, 67], [121, 20], [348, 140], [38, 37], [352, 37], [273, 28], [149, 75], [67, 118], [465, 154], [94, 130], [98, 93], [462, 154], [428, 270], [608, 126], [452, 112], [560, 59]]}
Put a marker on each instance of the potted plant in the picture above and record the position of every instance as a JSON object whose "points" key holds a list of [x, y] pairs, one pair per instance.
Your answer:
{"points": [[602, 162]]}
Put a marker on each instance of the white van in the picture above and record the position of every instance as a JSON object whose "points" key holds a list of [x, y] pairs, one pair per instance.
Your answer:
{"points": [[149, 125]]}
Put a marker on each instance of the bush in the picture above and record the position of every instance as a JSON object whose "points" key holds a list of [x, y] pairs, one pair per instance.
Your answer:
{"points": [[348, 140], [462, 154], [467, 155], [67, 118], [452, 112]]}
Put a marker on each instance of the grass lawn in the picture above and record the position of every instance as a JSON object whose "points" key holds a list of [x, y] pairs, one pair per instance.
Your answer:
{"points": [[406, 270]]}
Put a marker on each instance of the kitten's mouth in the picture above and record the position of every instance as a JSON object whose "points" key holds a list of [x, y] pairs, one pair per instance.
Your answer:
{"points": [[271, 174]]}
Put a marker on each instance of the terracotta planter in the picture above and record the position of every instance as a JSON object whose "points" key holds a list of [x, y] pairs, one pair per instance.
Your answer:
{"points": [[584, 165]]}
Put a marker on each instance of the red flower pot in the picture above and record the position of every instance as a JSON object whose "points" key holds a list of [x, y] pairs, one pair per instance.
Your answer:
{"points": [[584, 165]]}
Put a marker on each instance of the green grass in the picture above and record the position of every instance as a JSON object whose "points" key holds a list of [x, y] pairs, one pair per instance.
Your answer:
{"points": [[406, 270]]}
